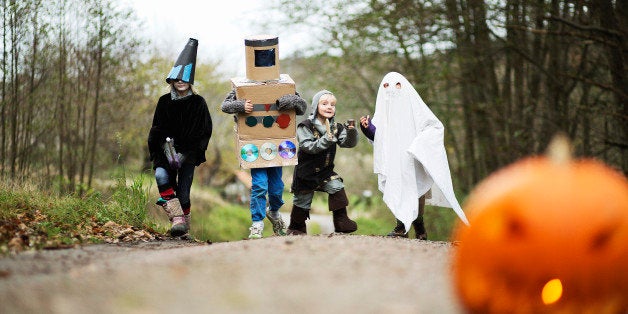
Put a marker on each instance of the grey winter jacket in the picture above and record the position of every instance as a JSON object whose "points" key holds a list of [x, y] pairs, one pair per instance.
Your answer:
{"points": [[286, 102]]}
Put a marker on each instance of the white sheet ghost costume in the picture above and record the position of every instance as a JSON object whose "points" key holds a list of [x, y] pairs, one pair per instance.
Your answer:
{"points": [[409, 153]]}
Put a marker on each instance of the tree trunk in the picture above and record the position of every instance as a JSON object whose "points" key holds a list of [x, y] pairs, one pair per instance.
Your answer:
{"points": [[60, 111], [616, 22], [468, 106], [15, 86], [94, 125], [29, 123], [3, 103]]}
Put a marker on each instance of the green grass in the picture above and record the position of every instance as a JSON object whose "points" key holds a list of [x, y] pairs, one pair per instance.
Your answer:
{"points": [[222, 224], [129, 201], [231, 223], [374, 218], [34, 218]]}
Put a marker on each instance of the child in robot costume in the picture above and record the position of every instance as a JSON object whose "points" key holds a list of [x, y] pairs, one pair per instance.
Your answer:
{"points": [[265, 181], [318, 137]]}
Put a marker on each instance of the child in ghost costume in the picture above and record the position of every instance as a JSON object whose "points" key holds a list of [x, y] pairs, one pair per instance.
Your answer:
{"points": [[409, 155], [369, 130], [318, 136]]}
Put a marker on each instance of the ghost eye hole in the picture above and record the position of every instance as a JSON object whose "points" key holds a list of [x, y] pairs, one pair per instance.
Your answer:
{"points": [[398, 85], [385, 85]]}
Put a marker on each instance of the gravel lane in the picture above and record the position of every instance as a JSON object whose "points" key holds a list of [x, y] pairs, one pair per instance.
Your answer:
{"points": [[292, 274]]}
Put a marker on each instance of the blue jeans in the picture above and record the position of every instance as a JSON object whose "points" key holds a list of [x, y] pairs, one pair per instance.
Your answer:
{"points": [[265, 181], [180, 180]]}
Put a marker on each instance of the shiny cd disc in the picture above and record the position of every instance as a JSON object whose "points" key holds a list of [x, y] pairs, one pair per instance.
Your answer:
{"points": [[287, 149], [249, 152], [268, 151]]}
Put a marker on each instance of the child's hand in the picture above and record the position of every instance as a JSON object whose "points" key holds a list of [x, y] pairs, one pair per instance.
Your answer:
{"points": [[364, 121], [330, 136], [248, 106]]}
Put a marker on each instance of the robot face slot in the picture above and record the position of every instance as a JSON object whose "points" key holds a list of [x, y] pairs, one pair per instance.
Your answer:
{"points": [[265, 58]]}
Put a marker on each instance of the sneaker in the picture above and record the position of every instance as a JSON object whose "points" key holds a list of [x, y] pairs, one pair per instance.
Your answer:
{"points": [[256, 230], [179, 227], [278, 225], [161, 201]]}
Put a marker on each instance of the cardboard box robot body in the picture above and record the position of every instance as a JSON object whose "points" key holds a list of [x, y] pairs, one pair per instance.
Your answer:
{"points": [[265, 137]]}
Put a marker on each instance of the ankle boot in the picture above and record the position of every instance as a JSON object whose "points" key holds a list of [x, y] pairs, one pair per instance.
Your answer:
{"points": [[419, 228], [398, 231], [297, 225], [337, 204], [342, 223], [175, 214]]}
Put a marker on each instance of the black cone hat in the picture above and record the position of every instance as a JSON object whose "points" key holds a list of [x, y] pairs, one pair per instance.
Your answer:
{"points": [[185, 66]]}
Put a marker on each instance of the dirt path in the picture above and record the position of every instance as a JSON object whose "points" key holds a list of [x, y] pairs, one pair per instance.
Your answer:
{"points": [[293, 274]]}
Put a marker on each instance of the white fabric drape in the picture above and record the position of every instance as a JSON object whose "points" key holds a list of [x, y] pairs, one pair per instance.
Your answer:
{"points": [[409, 152]]}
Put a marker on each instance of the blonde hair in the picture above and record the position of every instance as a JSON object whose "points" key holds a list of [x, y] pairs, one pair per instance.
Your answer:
{"points": [[328, 97], [171, 84]]}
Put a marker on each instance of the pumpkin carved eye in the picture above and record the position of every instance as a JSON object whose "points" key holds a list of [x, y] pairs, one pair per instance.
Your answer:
{"points": [[515, 228], [602, 238]]}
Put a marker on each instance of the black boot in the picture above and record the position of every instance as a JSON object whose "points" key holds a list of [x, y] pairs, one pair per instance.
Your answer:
{"points": [[419, 228], [297, 221], [342, 223], [399, 230]]}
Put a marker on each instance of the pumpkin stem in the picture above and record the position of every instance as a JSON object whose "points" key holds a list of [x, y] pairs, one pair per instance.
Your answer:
{"points": [[559, 149]]}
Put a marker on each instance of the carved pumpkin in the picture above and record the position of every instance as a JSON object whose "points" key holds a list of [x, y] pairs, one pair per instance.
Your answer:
{"points": [[545, 236]]}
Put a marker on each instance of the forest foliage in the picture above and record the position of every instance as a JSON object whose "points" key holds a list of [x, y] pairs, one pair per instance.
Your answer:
{"points": [[77, 92], [503, 76]]}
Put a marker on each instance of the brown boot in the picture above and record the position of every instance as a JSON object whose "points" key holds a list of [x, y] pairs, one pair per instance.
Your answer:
{"points": [[338, 203], [399, 231], [342, 223], [297, 221]]}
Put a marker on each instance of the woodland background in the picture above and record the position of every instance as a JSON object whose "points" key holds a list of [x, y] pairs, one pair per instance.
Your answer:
{"points": [[77, 93]]}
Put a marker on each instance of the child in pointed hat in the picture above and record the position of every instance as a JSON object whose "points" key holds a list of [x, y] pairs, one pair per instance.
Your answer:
{"points": [[178, 139]]}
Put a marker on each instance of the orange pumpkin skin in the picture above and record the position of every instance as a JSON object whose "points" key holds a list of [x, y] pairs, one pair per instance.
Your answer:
{"points": [[537, 220]]}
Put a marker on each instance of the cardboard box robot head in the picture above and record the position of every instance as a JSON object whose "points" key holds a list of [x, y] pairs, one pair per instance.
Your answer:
{"points": [[262, 58]]}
